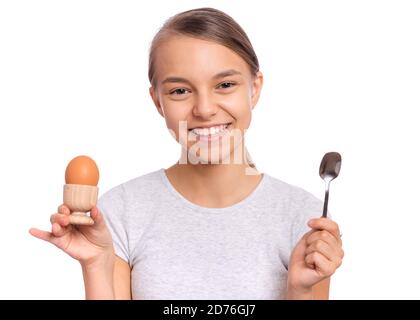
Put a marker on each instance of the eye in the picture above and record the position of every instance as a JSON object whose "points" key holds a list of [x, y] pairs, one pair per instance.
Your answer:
{"points": [[178, 92], [227, 85]]}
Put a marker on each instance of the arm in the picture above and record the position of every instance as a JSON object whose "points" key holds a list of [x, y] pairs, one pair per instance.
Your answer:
{"points": [[122, 279], [321, 290], [98, 279], [108, 280]]}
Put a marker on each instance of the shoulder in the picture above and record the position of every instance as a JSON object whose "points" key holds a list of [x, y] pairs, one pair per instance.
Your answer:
{"points": [[141, 188], [291, 195], [294, 205], [128, 210], [131, 203]]}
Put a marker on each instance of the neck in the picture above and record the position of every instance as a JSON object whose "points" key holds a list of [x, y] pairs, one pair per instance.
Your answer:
{"points": [[214, 185]]}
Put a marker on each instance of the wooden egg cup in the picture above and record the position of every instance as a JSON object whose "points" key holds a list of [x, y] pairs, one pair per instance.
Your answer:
{"points": [[80, 199]]}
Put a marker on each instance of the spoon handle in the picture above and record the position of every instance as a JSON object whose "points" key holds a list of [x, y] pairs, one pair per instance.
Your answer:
{"points": [[327, 192]]}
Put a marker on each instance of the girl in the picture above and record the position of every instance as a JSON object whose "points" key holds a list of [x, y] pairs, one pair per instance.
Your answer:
{"points": [[210, 226]]}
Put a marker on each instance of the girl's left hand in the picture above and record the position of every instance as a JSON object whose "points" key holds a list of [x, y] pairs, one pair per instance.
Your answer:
{"points": [[316, 256]]}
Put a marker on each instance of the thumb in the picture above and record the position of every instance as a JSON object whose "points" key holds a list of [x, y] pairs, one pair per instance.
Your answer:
{"points": [[298, 253], [45, 235], [97, 217], [41, 234]]}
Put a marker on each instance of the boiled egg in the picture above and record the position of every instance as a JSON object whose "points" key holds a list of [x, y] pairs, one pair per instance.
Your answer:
{"points": [[82, 170]]}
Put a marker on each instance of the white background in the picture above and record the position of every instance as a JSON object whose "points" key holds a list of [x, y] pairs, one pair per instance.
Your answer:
{"points": [[339, 75]]}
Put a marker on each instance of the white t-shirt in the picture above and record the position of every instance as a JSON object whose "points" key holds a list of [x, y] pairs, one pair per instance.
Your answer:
{"points": [[179, 250]]}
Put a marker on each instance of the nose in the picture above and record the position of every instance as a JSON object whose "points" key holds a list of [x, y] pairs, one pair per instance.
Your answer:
{"points": [[204, 106]]}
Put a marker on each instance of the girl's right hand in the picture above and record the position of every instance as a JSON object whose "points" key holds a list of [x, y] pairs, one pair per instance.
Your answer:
{"points": [[90, 245]]}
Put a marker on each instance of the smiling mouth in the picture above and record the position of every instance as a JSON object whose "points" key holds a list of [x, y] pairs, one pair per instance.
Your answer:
{"points": [[211, 132]]}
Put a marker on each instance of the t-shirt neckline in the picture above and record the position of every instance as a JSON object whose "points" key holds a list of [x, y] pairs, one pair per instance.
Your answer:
{"points": [[199, 208]]}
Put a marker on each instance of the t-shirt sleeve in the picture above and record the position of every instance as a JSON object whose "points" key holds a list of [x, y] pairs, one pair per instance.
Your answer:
{"points": [[111, 205], [310, 207]]}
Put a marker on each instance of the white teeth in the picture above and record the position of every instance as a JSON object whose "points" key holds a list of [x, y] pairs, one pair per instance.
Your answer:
{"points": [[207, 131]]}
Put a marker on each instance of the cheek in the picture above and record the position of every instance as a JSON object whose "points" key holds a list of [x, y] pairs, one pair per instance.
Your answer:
{"points": [[240, 108], [175, 118]]}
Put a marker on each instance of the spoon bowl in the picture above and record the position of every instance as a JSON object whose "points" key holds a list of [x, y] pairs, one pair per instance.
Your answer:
{"points": [[329, 169]]}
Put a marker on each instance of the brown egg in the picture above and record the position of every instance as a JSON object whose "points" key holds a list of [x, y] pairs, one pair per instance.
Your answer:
{"points": [[82, 170]]}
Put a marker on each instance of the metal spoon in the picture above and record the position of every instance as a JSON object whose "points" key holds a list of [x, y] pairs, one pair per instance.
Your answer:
{"points": [[329, 170]]}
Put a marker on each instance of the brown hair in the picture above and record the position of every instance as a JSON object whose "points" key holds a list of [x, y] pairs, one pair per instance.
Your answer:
{"points": [[206, 24]]}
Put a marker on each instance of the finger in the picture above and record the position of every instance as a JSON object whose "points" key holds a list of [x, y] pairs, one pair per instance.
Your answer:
{"points": [[308, 234], [323, 235], [325, 224], [63, 209], [321, 264], [299, 249], [97, 217], [330, 252], [62, 219], [41, 234], [58, 231]]}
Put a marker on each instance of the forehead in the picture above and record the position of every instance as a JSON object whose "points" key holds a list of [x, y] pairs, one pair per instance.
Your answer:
{"points": [[195, 58]]}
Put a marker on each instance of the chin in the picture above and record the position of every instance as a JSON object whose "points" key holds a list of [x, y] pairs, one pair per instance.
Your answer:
{"points": [[220, 157]]}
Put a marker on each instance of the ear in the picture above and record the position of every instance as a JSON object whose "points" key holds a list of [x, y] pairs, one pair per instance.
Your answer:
{"points": [[257, 85], [156, 101]]}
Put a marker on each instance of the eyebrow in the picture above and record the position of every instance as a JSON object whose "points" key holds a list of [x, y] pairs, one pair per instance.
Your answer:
{"points": [[222, 74]]}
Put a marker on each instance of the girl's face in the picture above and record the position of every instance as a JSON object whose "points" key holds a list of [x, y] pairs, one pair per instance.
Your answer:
{"points": [[202, 84]]}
